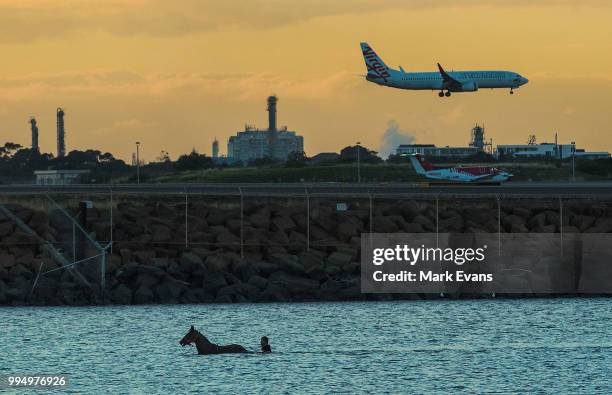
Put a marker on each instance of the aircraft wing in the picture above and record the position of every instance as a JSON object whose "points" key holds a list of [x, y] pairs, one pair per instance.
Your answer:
{"points": [[483, 177], [448, 80]]}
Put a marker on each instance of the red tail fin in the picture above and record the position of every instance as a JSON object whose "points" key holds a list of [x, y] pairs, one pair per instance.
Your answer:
{"points": [[426, 165]]}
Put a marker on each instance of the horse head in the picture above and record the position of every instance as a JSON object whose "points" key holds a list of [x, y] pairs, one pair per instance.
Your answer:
{"points": [[190, 337]]}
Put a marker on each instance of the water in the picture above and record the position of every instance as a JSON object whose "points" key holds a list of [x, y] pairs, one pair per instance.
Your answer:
{"points": [[500, 346]]}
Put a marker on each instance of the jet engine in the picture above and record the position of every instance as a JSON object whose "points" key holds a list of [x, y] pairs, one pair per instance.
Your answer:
{"points": [[469, 87]]}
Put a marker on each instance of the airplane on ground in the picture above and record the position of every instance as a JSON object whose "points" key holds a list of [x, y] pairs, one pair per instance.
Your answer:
{"points": [[454, 81], [459, 174]]}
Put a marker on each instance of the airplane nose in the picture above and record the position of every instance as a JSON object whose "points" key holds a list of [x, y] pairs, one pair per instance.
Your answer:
{"points": [[524, 81]]}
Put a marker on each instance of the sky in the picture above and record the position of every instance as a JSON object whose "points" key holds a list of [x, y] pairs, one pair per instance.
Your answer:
{"points": [[175, 75]]}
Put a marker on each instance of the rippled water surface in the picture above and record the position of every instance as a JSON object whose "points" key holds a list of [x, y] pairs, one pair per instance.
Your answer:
{"points": [[500, 346]]}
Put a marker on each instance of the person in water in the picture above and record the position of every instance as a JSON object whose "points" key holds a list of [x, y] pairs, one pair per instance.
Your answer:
{"points": [[265, 347]]}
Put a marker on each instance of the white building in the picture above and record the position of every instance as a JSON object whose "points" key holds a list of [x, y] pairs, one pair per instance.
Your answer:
{"points": [[253, 143], [59, 177], [546, 150], [432, 150]]}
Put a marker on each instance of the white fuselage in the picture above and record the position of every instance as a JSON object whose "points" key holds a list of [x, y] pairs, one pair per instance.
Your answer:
{"points": [[471, 80], [457, 175]]}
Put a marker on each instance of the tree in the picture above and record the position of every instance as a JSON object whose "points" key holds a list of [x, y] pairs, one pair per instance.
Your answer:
{"points": [[265, 161], [349, 154], [9, 149], [531, 140], [194, 161], [164, 157], [395, 158], [296, 159]]}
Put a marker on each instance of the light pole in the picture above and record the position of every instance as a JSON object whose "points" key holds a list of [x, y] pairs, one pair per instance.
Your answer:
{"points": [[138, 162], [573, 161], [358, 167]]}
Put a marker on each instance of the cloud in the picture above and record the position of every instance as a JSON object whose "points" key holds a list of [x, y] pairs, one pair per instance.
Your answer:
{"points": [[393, 137], [28, 20], [231, 87]]}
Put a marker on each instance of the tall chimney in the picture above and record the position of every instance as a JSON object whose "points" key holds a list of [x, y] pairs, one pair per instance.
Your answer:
{"points": [[61, 134], [34, 134], [272, 112]]}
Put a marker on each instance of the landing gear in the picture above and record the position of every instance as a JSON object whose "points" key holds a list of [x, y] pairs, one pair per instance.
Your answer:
{"points": [[447, 94], [511, 91], [441, 94]]}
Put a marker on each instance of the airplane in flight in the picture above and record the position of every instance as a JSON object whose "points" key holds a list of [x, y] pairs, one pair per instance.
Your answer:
{"points": [[445, 82], [459, 174]]}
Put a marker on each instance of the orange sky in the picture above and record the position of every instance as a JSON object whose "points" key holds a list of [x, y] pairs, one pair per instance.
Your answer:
{"points": [[174, 75]]}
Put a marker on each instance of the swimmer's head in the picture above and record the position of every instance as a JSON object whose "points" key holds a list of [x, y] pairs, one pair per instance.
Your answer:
{"points": [[264, 340]]}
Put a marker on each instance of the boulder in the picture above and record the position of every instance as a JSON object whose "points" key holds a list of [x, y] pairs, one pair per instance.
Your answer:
{"points": [[161, 233], [219, 262], [451, 224], [169, 291], [146, 280], [7, 260], [258, 282], [144, 256], [537, 221], [20, 270], [244, 271], [197, 295], [282, 224], [260, 219], [224, 299], [189, 259], [310, 259], [17, 294], [274, 293], [294, 283], [143, 295], [287, 262], [317, 272], [234, 225], [121, 294], [126, 255], [339, 259], [297, 241], [384, 224], [213, 281], [228, 239], [265, 268], [412, 227], [521, 212], [163, 210], [6, 228], [514, 224], [348, 229], [425, 222]]}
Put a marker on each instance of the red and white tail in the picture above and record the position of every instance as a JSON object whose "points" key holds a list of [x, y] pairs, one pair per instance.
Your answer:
{"points": [[421, 166]]}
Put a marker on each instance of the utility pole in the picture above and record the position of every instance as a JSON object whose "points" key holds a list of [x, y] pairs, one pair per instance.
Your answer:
{"points": [[573, 161], [358, 164], [138, 162]]}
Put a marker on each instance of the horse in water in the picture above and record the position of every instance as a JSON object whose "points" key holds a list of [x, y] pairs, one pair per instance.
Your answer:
{"points": [[206, 347]]}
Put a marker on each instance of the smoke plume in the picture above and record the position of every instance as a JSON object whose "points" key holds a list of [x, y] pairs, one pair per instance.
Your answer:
{"points": [[393, 137]]}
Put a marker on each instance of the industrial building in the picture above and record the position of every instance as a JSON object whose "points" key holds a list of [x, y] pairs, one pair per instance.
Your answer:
{"points": [[546, 150], [61, 134], [477, 144], [34, 129], [253, 143], [60, 177]]}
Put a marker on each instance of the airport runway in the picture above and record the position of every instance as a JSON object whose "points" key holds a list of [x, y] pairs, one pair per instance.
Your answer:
{"points": [[516, 189]]}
